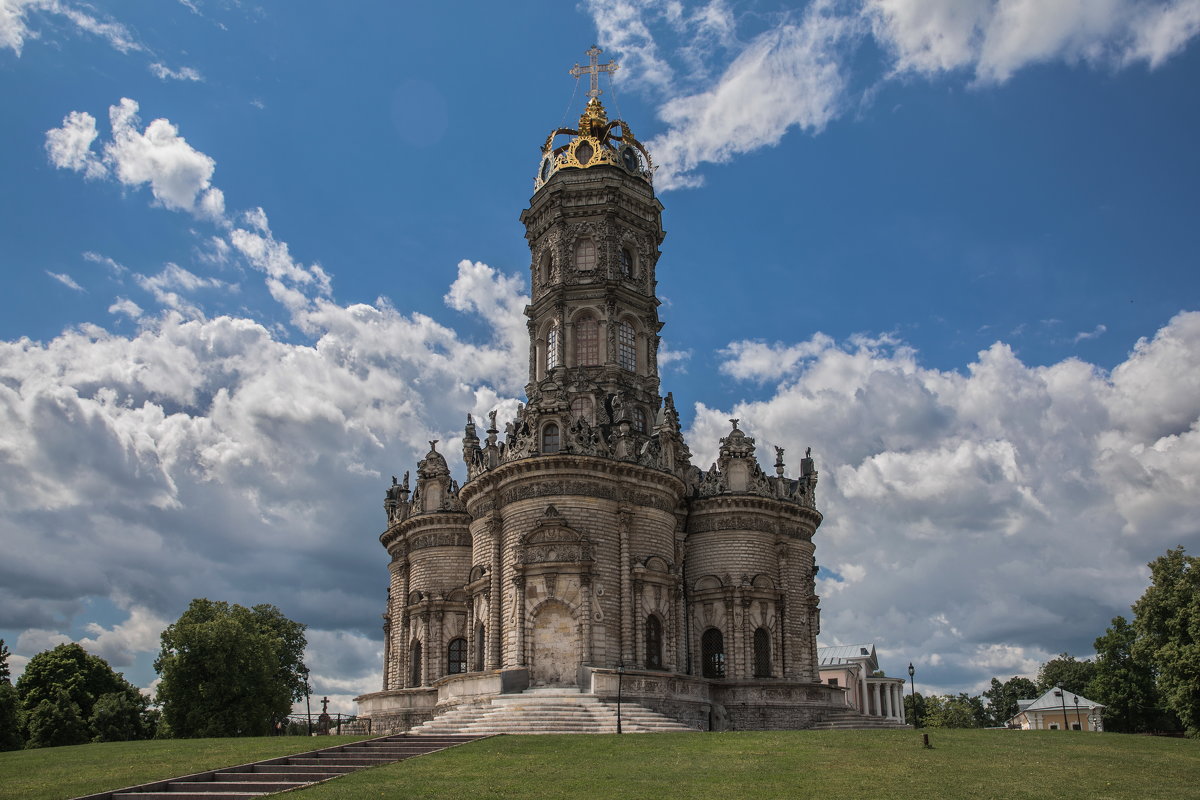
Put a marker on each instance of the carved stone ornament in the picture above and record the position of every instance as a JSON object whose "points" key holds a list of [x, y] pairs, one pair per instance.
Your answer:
{"points": [[552, 540]]}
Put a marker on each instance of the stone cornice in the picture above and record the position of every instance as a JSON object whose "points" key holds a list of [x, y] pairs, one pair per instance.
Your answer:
{"points": [[431, 521]]}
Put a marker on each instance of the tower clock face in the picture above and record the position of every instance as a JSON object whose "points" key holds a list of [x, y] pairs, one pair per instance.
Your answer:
{"points": [[630, 159], [547, 166]]}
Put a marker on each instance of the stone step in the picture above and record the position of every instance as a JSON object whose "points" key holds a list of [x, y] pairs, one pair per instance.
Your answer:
{"points": [[549, 710]]}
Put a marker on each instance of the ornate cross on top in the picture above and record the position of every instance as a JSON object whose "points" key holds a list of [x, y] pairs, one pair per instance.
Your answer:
{"points": [[594, 69]]}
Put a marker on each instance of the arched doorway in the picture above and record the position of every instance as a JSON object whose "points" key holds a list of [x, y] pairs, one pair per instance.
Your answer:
{"points": [[554, 649]]}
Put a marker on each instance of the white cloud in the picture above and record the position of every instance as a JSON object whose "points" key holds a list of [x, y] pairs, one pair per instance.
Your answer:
{"points": [[70, 147], [165, 73], [1016, 504], [113, 266], [167, 286], [35, 640], [118, 645], [15, 23], [1095, 333], [65, 280], [125, 306]]}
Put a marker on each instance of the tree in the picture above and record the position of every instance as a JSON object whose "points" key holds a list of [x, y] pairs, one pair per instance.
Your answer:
{"points": [[4, 654], [1124, 683], [1167, 622], [119, 717], [10, 718], [914, 709], [228, 670], [64, 677], [56, 721], [950, 711], [1002, 698], [1065, 672]]}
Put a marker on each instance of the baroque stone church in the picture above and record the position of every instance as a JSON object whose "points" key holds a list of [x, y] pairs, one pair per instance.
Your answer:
{"points": [[585, 548]]}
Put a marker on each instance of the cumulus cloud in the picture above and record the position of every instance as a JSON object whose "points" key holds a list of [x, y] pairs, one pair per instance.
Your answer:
{"points": [[993, 518], [731, 87], [117, 645]]}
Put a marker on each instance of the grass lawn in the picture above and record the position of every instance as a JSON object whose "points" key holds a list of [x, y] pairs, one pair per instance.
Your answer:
{"points": [[57, 773], [889, 765]]}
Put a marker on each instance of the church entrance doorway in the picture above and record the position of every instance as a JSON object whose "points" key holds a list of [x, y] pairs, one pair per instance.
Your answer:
{"points": [[554, 656]]}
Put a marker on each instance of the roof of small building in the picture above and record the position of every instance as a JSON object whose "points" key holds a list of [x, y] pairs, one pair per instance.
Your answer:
{"points": [[844, 654], [1054, 699]]}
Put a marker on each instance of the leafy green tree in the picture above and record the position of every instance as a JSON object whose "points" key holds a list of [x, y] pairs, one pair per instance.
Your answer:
{"points": [[1002, 698], [914, 709], [10, 718], [119, 717], [56, 721], [1167, 622], [1066, 672], [4, 654], [951, 711], [65, 676], [228, 670], [1124, 683]]}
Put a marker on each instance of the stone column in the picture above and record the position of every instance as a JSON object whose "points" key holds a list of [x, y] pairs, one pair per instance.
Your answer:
{"points": [[425, 648], [863, 702], [519, 598], [387, 646], [585, 622], [874, 689], [495, 651], [625, 520], [638, 627], [903, 713], [471, 643]]}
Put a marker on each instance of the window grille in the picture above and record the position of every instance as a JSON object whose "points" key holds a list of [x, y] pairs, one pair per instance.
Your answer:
{"points": [[456, 661], [581, 408], [587, 342], [762, 653], [639, 419], [626, 347], [712, 654], [415, 655], [550, 438], [654, 658], [626, 263], [552, 348], [585, 255]]}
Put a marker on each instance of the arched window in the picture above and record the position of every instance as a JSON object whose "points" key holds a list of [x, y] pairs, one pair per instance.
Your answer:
{"points": [[762, 653], [626, 263], [585, 255], [415, 664], [550, 438], [480, 647], [552, 348], [587, 342], [456, 656], [581, 408], [654, 658], [626, 347], [639, 419], [544, 267], [712, 654]]}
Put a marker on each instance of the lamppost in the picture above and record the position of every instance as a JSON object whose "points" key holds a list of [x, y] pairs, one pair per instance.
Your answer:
{"points": [[1078, 724], [620, 687], [1063, 698], [307, 703], [913, 681]]}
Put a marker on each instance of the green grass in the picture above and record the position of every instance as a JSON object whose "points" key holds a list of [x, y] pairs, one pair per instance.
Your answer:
{"points": [[57, 773], [889, 765]]}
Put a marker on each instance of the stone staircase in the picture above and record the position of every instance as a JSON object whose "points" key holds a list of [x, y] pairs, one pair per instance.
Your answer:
{"points": [[548, 711], [852, 720], [288, 772]]}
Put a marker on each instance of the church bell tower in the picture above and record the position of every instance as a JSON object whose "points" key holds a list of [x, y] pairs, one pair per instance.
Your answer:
{"points": [[594, 228]]}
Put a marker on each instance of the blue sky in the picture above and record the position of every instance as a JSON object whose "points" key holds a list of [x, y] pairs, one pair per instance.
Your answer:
{"points": [[256, 255]]}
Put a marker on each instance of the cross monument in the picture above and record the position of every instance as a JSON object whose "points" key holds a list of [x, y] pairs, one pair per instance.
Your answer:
{"points": [[593, 70]]}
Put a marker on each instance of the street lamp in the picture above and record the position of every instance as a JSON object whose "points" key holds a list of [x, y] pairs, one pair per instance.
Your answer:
{"points": [[1062, 697], [913, 681], [620, 687], [1078, 724], [307, 704]]}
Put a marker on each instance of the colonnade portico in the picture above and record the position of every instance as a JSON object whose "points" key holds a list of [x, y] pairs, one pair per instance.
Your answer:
{"points": [[883, 697]]}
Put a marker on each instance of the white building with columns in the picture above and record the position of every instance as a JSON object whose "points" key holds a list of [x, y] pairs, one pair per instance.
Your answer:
{"points": [[854, 668]]}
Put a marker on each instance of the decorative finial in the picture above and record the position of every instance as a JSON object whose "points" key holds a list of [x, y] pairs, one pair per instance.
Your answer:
{"points": [[593, 70], [735, 423]]}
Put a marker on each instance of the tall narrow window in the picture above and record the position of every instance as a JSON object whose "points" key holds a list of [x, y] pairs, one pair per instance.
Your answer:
{"points": [[581, 408], [712, 654], [626, 347], [626, 263], [415, 655], [639, 419], [552, 348], [762, 653], [456, 657], [550, 439], [585, 255], [544, 268], [654, 658], [587, 342], [480, 647]]}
